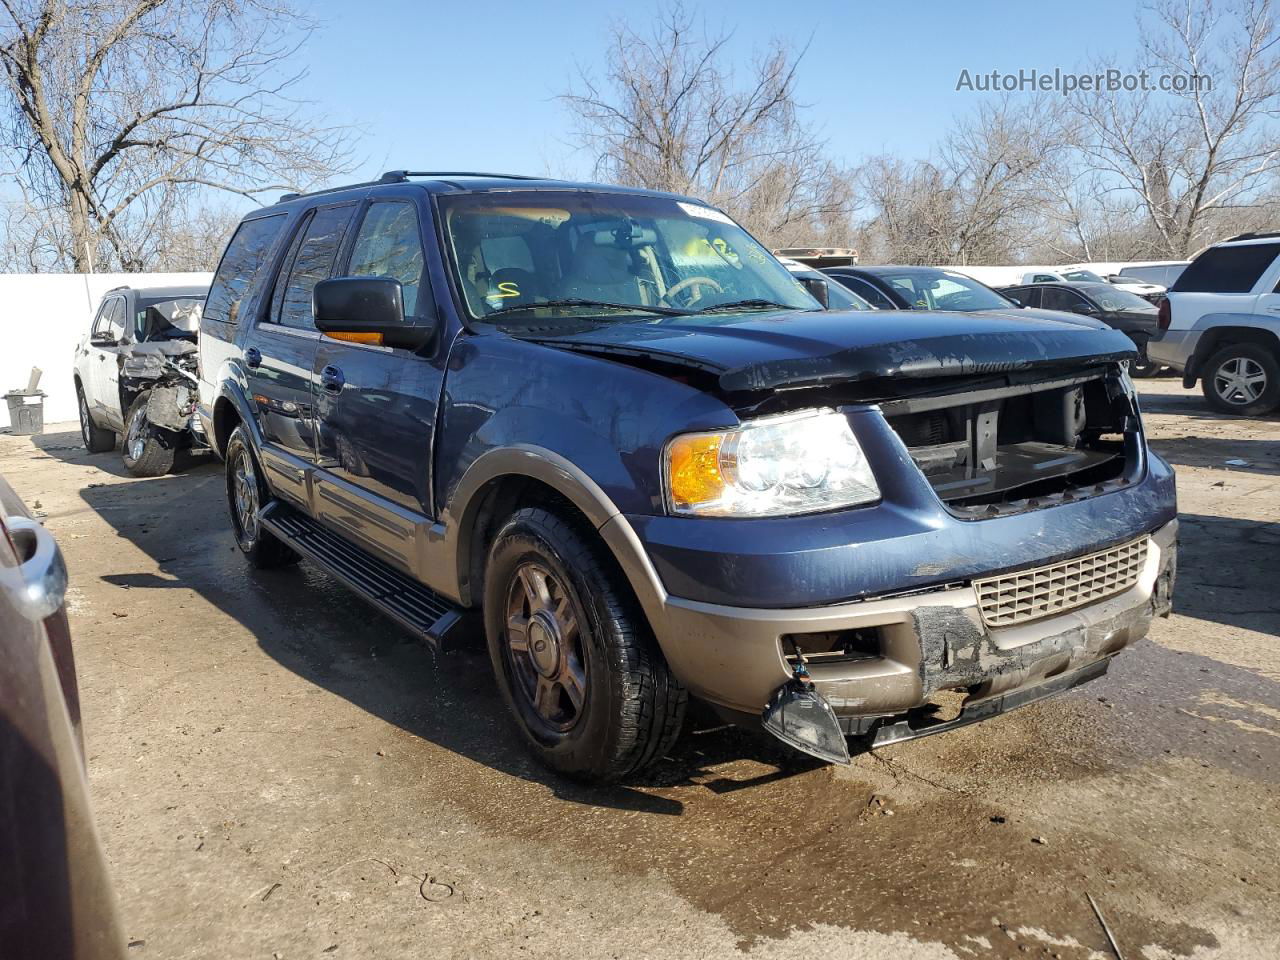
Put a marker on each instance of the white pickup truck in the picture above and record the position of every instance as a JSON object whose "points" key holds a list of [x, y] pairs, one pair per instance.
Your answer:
{"points": [[1221, 325]]}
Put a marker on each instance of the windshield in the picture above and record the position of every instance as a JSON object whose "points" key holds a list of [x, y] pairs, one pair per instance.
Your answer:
{"points": [[1113, 299], [560, 253], [168, 319], [943, 290], [1083, 275]]}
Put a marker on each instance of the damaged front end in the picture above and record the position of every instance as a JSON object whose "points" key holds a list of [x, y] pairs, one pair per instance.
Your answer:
{"points": [[165, 372]]}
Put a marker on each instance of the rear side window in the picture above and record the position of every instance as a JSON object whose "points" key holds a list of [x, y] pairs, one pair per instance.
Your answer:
{"points": [[1227, 269], [244, 259], [866, 291], [389, 244], [310, 260]]}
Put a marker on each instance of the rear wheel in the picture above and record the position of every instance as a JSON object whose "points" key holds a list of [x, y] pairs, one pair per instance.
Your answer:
{"points": [[1242, 378], [246, 495], [574, 657], [94, 437], [146, 452]]}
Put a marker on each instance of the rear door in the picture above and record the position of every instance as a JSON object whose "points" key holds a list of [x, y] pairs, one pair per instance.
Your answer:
{"points": [[375, 405], [280, 351]]}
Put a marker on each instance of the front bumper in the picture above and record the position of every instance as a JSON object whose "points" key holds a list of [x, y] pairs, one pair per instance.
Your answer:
{"points": [[930, 641]]}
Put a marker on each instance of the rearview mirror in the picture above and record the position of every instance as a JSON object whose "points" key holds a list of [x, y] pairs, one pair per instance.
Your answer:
{"points": [[102, 340], [367, 310], [817, 287]]}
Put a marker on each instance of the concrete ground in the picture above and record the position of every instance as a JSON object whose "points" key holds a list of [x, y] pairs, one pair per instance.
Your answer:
{"points": [[279, 772]]}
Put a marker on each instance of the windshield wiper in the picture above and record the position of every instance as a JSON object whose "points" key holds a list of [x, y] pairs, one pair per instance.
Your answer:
{"points": [[750, 303], [581, 302]]}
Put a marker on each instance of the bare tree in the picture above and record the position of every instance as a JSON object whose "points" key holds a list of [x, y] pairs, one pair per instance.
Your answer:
{"points": [[974, 201], [1189, 155], [669, 116], [120, 112]]}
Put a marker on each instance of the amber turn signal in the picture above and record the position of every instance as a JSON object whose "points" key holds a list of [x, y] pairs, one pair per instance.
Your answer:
{"points": [[374, 339], [694, 469]]}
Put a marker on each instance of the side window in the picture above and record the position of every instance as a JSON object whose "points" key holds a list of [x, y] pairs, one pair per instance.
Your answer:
{"points": [[117, 319], [1227, 269], [310, 260], [102, 322], [1055, 298], [243, 260], [866, 291], [389, 244]]}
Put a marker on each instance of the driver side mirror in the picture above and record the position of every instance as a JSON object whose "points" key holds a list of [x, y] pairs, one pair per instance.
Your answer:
{"points": [[102, 340], [818, 290], [367, 310], [1085, 309]]}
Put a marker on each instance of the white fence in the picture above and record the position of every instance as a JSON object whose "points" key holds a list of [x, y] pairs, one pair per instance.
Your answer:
{"points": [[42, 318]]}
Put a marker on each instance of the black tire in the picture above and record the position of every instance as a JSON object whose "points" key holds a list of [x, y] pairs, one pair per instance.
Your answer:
{"points": [[95, 438], [146, 450], [630, 707], [1143, 367], [246, 493], [1242, 378]]}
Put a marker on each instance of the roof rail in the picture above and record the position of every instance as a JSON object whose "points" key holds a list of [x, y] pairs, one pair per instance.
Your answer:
{"points": [[1250, 236], [400, 176]]}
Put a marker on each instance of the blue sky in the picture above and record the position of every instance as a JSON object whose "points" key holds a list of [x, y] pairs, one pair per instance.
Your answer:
{"points": [[455, 87]]}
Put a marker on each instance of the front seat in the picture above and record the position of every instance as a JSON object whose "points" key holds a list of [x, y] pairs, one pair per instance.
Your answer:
{"points": [[601, 272]]}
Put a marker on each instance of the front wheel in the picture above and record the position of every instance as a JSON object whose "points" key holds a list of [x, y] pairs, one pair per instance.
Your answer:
{"points": [[574, 657], [146, 452], [1142, 367], [1244, 379]]}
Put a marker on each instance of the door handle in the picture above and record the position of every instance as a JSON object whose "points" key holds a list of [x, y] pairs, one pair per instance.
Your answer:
{"points": [[43, 573], [332, 379], [253, 358]]}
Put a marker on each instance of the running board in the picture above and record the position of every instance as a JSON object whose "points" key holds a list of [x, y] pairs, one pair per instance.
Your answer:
{"points": [[419, 609]]}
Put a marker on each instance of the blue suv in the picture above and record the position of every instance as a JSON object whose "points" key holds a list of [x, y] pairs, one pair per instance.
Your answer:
{"points": [[608, 426]]}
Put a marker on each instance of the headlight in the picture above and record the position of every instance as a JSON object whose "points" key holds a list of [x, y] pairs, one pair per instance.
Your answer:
{"points": [[799, 463], [145, 367]]}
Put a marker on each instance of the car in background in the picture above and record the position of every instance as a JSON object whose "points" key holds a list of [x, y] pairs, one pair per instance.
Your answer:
{"points": [[819, 257], [1124, 311], [57, 902], [838, 297], [140, 340], [1220, 325], [1148, 291], [919, 288], [1163, 274]]}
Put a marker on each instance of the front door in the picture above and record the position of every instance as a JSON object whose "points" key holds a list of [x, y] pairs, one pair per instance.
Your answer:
{"points": [[104, 362], [280, 352], [376, 406]]}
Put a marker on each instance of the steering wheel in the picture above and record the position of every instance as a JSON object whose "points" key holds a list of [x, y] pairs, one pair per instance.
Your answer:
{"points": [[688, 282]]}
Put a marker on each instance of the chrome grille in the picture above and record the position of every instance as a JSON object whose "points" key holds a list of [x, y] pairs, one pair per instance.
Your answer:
{"points": [[1026, 595]]}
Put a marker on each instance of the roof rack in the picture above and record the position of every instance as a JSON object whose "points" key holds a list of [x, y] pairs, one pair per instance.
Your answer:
{"points": [[400, 176], [1250, 236]]}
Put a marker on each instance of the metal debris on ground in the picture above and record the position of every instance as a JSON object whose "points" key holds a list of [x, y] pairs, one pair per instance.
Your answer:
{"points": [[1115, 947]]}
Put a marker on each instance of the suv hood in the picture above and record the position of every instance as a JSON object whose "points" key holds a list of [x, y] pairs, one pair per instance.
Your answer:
{"points": [[764, 351]]}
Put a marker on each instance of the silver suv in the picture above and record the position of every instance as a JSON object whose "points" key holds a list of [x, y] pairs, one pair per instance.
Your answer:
{"points": [[1221, 325]]}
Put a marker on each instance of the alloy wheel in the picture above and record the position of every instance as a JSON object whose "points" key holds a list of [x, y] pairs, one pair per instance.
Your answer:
{"points": [[84, 422], [1240, 381], [245, 482], [544, 647]]}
